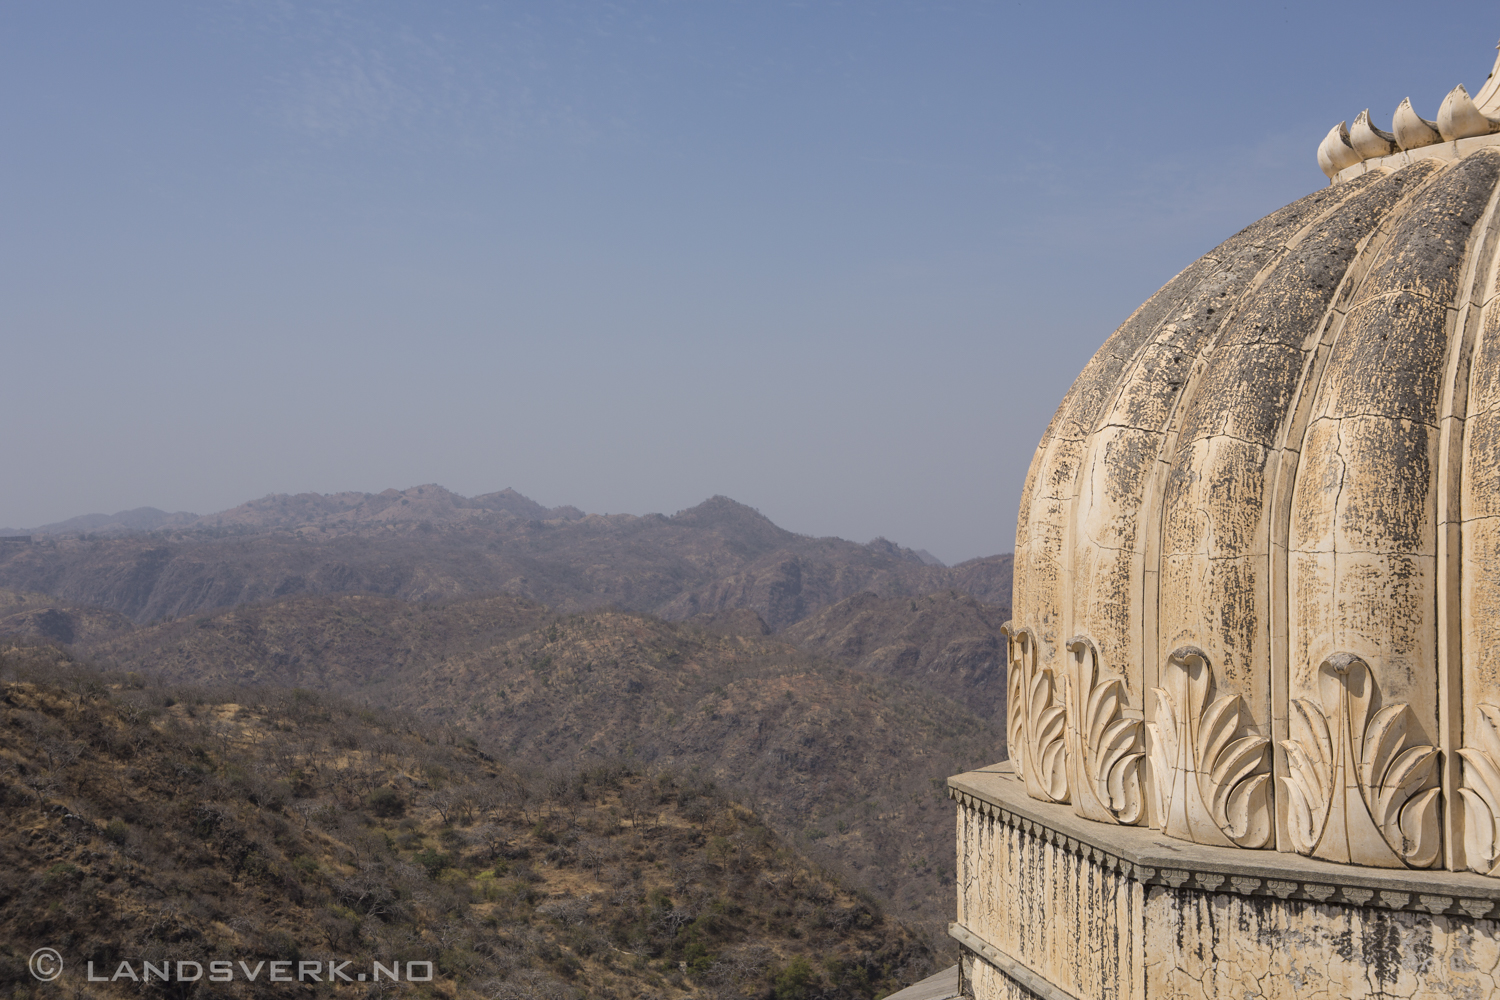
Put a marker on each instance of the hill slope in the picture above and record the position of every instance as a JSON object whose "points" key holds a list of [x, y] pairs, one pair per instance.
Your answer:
{"points": [[849, 764], [946, 642], [141, 824]]}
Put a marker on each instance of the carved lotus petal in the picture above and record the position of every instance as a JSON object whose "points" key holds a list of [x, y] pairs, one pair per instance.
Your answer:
{"points": [[1313, 747], [1411, 130], [1309, 783], [1459, 118], [1482, 777], [1104, 747], [1051, 722], [1218, 728], [1163, 751], [1385, 735], [1412, 771], [1248, 812], [1420, 838], [1480, 792], [1369, 141], [1036, 721], [1161, 768], [1040, 695], [1489, 729], [1125, 789], [1304, 827], [1054, 767], [1015, 735], [1116, 742], [1479, 830], [1335, 153], [1104, 705], [1164, 735], [1239, 760]]}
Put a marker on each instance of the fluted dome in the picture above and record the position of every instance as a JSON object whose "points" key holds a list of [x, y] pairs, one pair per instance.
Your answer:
{"points": [[1257, 575]]}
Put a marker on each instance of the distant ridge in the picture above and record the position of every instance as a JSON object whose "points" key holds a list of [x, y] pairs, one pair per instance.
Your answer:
{"points": [[429, 502], [140, 519], [427, 543], [350, 511]]}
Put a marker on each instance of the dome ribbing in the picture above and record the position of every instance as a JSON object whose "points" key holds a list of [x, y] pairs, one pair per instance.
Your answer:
{"points": [[1258, 556]]}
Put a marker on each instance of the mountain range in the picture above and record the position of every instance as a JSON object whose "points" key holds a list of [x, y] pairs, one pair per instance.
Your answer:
{"points": [[426, 543], [301, 510]]}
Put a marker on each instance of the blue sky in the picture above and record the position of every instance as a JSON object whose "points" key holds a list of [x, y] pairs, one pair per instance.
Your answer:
{"points": [[838, 261]]}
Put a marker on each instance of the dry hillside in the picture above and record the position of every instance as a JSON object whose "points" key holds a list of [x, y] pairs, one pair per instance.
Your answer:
{"points": [[847, 764], [947, 643], [157, 824]]}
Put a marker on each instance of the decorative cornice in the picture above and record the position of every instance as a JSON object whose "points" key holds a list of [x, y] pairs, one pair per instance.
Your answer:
{"points": [[1149, 858], [1463, 125]]}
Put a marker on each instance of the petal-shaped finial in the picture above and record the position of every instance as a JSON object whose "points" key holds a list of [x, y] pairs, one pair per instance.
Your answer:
{"points": [[1460, 118], [1411, 129], [1368, 140], [1488, 98], [1335, 153]]}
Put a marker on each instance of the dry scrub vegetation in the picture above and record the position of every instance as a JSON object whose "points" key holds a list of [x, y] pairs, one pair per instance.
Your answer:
{"points": [[147, 822], [848, 765]]}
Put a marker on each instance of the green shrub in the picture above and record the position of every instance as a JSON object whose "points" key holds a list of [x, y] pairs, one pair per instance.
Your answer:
{"points": [[433, 861], [795, 982]]}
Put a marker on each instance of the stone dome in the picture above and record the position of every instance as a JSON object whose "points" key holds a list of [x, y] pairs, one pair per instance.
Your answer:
{"points": [[1257, 563]]}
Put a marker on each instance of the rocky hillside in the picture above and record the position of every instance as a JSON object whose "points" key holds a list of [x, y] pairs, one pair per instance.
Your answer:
{"points": [[39, 616], [946, 642], [142, 824], [426, 544], [846, 763]]}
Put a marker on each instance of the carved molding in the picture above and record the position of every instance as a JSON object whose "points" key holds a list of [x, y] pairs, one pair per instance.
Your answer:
{"points": [[1359, 791], [1186, 874], [1480, 793], [1104, 748], [1036, 719], [1212, 775]]}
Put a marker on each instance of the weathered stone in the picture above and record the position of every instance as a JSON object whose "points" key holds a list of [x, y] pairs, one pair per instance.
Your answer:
{"points": [[1244, 583], [1052, 916], [1254, 664]]}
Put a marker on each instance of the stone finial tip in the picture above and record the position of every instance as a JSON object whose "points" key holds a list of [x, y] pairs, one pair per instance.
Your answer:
{"points": [[1335, 152]]}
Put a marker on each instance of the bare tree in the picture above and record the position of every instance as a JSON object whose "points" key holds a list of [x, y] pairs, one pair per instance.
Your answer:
{"points": [[491, 836]]}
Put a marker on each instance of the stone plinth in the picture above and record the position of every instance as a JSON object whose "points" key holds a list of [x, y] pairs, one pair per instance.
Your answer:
{"points": [[1054, 906]]}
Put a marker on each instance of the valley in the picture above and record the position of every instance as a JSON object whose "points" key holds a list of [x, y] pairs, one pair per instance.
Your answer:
{"points": [[823, 687]]}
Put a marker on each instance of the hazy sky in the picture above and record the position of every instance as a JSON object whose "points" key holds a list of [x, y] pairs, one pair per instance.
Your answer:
{"points": [[838, 261]]}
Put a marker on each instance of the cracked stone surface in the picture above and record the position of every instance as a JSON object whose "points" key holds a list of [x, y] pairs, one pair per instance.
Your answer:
{"points": [[1289, 454], [1069, 915], [1256, 611]]}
